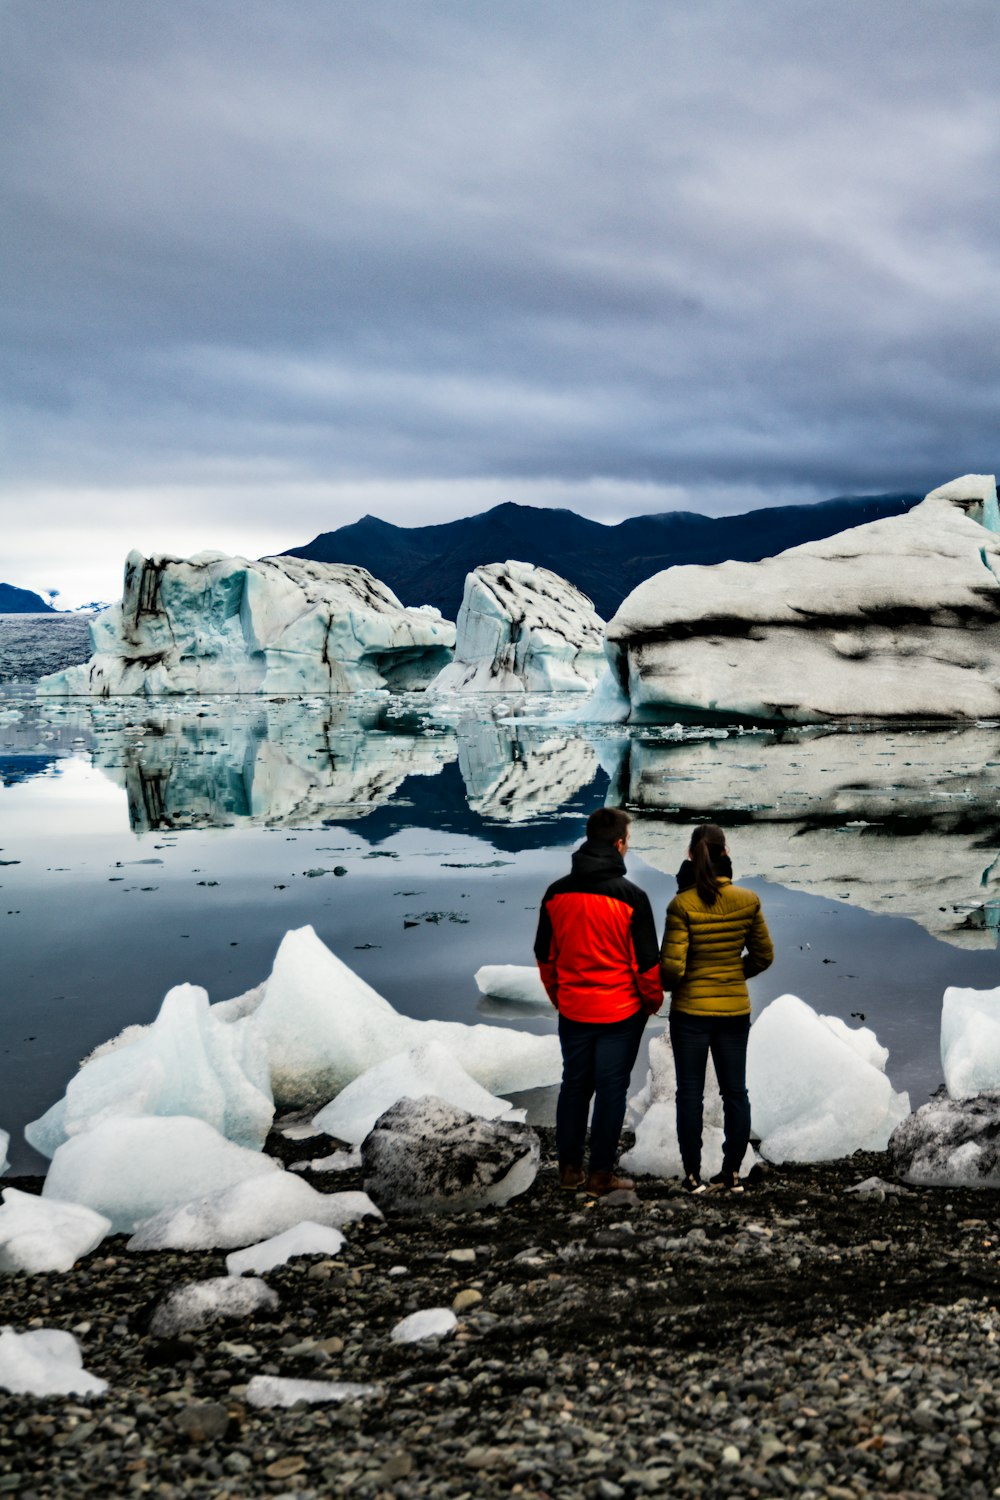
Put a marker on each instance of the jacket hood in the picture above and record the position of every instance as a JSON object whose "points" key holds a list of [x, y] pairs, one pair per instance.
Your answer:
{"points": [[597, 861]]}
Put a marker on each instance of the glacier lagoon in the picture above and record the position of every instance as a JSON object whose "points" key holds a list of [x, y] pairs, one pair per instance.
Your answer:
{"points": [[145, 843]]}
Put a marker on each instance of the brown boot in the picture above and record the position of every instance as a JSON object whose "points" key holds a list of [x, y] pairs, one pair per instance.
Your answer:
{"points": [[571, 1178], [599, 1183]]}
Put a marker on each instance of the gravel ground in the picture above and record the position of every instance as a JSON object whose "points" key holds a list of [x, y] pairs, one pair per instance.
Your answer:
{"points": [[32, 645], [798, 1340]]}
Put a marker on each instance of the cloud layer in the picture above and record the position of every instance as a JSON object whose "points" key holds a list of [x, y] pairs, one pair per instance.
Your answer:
{"points": [[267, 266]]}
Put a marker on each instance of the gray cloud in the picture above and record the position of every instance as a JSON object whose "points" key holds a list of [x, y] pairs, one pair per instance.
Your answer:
{"points": [[265, 263]]}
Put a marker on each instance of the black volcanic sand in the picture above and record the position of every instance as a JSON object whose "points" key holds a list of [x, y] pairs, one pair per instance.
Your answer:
{"points": [[798, 1340]]}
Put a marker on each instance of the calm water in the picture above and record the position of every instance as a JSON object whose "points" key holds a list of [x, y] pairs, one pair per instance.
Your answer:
{"points": [[147, 843]]}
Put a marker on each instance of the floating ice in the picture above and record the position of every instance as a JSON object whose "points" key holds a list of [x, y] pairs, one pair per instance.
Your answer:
{"points": [[246, 1212], [324, 1026], [187, 1062], [894, 619], [653, 1111], [45, 1362], [427, 1070], [199, 1303], [278, 1390], [817, 1089], [38, 1234], [950, 1143], [302, 1239], [218, 624], [521, 629], [970, 1041], [426, 1156], [428, 1323], [519, 983], [4, 1143], [131, 1168]]}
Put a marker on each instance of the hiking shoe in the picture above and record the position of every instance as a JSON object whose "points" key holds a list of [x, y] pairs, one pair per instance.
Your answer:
{"points": [[726, 1182], [692, 1184], [571, 1178], [599, 1183]]}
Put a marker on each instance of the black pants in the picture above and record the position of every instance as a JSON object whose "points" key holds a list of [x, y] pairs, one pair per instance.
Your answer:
{"points": [[692, 1038], [597, 1064]]}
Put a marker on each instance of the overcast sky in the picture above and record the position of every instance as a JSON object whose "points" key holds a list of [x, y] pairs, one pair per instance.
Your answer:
{"points": [[268, 265]]}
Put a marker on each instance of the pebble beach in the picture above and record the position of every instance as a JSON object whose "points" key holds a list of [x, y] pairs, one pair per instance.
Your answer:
{"points": [[799, 1339]]}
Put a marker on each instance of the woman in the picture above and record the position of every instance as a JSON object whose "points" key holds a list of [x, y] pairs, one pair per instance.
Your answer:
{"points": [[715, 940]]}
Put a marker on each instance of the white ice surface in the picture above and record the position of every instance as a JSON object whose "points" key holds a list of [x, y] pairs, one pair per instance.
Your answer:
{"points": [[970, 1041], [815, 1092], [247, 1212], [428, 1323], [428, 1070], [337, 1161], [189, 1061], [201, 1303], [131, 1168], [279, 1390], [302, 1239], [522, 628], [45, 1362], [324, 1026], [4, 1143], [39, 1234], [521, 984]]}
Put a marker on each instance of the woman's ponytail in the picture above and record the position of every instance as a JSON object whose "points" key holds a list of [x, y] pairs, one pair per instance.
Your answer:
{"points": [[708, 845]]}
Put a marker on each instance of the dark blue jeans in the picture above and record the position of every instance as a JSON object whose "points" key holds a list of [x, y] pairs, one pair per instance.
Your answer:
{"points": [[692, 1038], [597, 1064]]}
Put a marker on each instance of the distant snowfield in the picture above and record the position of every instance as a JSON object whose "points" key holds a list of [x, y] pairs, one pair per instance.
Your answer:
{"points": [[32, 645]]}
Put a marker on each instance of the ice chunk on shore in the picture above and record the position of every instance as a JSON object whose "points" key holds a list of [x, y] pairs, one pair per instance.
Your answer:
{"points": [[653, 1111], [187, 1062], [522, 628], [521, 984], [950, 1143], [426, 1156], [4, 1144], [200, 1303], [428, 1323], [218, 624], [423, 1071], [324, 1026], [970, 1041], [131, 1168], [302, 1239], [246, 1212], [39, 1234], [817, 1089], [45, 1362], [279, 1390]]}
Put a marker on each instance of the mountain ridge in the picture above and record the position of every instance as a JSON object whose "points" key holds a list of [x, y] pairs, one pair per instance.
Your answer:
{"points": [[428, 564]]}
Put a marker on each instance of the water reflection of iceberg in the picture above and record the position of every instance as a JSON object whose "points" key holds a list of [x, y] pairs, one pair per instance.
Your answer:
{"points": [[898, 822], [517, 777]]}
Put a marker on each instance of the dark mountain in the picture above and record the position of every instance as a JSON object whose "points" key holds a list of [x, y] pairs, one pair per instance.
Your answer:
{"points": [[428, 564], [14, 601]]}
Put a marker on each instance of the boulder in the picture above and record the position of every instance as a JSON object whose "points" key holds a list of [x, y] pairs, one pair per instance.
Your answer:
{"points": [[950, 1143]]}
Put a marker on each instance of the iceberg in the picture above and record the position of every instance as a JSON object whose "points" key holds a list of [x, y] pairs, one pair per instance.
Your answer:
{"points": [[818, 1090], [426, 1156], [426, 1070], [306, 1238], [129, 1168], [38, 1235], [970, 1041], [219, 624], [895, 619], [324, 1026], [653, 1113], [201, 1303], [522, 628], [243, 1214], [45, 1362], [186, 1062], [950, 1143], [521, 984]]}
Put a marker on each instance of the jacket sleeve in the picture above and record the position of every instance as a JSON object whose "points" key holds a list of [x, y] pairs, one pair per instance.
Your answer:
{"points": [[760, 950], [646, 955], [674, 953], [545, 955]]}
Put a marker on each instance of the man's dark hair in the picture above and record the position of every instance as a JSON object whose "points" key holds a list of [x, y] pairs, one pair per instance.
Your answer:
{"points": [[607, 825]]}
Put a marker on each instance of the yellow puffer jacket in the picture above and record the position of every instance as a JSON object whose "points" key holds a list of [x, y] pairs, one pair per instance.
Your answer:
{"points": [[702, 959]]}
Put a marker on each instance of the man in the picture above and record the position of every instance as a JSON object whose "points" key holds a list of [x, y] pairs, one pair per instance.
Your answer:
{"points": [[599, 961]]}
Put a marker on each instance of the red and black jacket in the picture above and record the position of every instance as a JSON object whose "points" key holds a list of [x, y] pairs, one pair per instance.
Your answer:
{"points": [[596, 942]]}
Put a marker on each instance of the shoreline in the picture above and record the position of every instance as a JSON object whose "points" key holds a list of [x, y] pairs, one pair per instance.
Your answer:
{"points": [[798, 1339]]}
